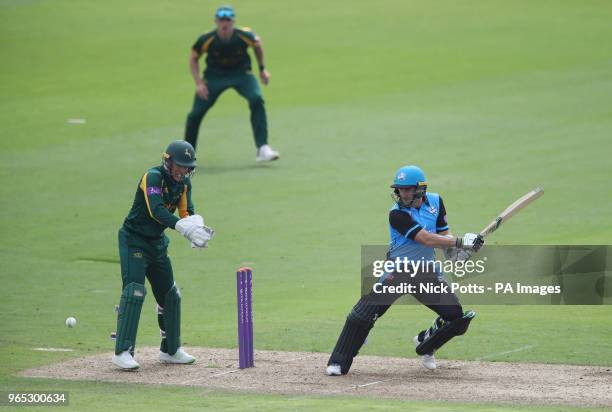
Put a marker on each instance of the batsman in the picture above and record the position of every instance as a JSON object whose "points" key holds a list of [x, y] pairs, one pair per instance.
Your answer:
{"points": [[417, 225], [143, 251]]}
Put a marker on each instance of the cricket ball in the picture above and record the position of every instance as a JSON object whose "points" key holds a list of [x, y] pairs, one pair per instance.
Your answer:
{"points": [[71, 322]]}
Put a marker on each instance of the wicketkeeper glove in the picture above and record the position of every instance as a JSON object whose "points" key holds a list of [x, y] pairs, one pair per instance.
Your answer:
{"points": [[209, 233], [193, 228]]}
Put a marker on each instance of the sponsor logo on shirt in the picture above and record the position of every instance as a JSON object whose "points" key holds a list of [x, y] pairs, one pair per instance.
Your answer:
{"points": [[154, 190]]}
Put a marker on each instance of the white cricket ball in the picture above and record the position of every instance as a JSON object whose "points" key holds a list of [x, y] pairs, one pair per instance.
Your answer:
{"points": [[71, 322]]}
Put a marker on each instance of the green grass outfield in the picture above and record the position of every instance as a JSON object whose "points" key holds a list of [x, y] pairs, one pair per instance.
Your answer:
{"points": [[491, 98]]}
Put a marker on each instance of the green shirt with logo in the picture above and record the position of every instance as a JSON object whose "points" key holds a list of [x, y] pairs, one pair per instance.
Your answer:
{"points": [[157, 197], [226, 56]]}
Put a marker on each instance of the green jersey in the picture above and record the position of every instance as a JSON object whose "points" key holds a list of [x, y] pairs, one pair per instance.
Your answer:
{"points": [[157, 198], [226, 56]]}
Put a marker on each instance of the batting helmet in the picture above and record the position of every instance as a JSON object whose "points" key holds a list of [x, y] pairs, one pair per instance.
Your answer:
{"points": [[409, 176]]}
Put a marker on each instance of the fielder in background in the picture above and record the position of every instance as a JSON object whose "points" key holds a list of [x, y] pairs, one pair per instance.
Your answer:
{"points": [[417, 225], [228, 65], [143, 250]]}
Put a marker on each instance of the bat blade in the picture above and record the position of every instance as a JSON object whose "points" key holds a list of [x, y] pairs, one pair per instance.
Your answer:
{"points": [[512, 210]]}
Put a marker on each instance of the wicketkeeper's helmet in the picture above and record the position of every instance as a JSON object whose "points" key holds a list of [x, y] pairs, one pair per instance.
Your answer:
{"points": [[181, 153]]}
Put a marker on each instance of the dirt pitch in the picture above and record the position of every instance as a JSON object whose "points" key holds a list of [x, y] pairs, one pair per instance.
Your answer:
{"points": [[371, 376]]}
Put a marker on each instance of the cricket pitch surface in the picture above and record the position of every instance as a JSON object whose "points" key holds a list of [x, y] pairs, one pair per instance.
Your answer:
{"points": [[303, 373]]}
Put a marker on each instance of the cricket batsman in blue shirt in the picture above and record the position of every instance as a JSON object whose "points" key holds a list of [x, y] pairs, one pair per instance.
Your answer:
{"points": [[417, 225]]}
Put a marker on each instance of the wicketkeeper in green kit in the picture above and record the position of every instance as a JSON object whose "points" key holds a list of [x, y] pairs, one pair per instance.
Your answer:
{"points": [[228, 65], [143, 251]]}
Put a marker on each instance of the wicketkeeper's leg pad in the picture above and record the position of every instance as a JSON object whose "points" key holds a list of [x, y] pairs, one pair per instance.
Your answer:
{"points": [[443, 331], [172, 319], [128, 317], [162, 329]]}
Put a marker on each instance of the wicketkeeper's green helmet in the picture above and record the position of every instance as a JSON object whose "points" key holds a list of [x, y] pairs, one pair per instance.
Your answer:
{"points": [[181, 153]]}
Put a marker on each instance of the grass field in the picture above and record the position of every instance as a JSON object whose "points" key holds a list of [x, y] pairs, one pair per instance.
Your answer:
{"points": [[490, 97]]}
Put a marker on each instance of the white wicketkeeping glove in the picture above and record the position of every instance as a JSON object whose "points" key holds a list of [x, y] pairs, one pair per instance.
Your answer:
{"points": [[199, 238], [209, 234], [193, 228], [187, 226], [197, 219]]}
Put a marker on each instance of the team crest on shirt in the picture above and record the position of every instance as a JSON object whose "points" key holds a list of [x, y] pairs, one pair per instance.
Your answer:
{"points": [[433, 210]]}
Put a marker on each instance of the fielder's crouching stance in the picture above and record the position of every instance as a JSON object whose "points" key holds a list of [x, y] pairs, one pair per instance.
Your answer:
{"points": [[143, 250], [417, 225]]}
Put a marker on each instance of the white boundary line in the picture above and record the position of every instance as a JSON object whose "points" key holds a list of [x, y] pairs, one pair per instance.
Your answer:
{"points": [[296, 359], [224, 373], [491, 355], [372, 383], [53, 349]]}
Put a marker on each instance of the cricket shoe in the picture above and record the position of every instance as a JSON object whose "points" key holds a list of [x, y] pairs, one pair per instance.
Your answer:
{"points": [[266, 154], [429, 360], [333, 370], [180, 357], [125, 361]]}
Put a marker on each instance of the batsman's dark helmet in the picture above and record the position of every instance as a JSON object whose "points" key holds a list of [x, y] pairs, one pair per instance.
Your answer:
{"points": [[181, 153]]}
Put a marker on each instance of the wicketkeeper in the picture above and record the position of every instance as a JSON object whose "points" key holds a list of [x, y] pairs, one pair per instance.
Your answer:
{"points": [[228, 65], [417, 225], [143, 251]]}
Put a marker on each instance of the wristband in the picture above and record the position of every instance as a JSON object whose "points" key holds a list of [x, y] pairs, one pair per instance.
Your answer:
{"points": [[262, 67]]}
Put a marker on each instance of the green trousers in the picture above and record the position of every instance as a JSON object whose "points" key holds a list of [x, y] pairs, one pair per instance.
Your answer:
{"points": [[141, 257], [246, 85]]}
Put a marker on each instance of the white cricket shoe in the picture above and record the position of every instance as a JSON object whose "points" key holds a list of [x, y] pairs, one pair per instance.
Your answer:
{"points": [[428, 361], [180, 357], [333, 370], [266, 154], [125, 361]]}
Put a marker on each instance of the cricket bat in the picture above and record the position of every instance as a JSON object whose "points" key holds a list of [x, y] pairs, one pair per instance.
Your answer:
{"points": [[512, 210]]}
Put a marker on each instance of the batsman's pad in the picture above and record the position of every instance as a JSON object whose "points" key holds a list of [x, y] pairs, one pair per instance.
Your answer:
{"points": [[172, 319], [356, 329], [129, 314], [441, 332]]}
